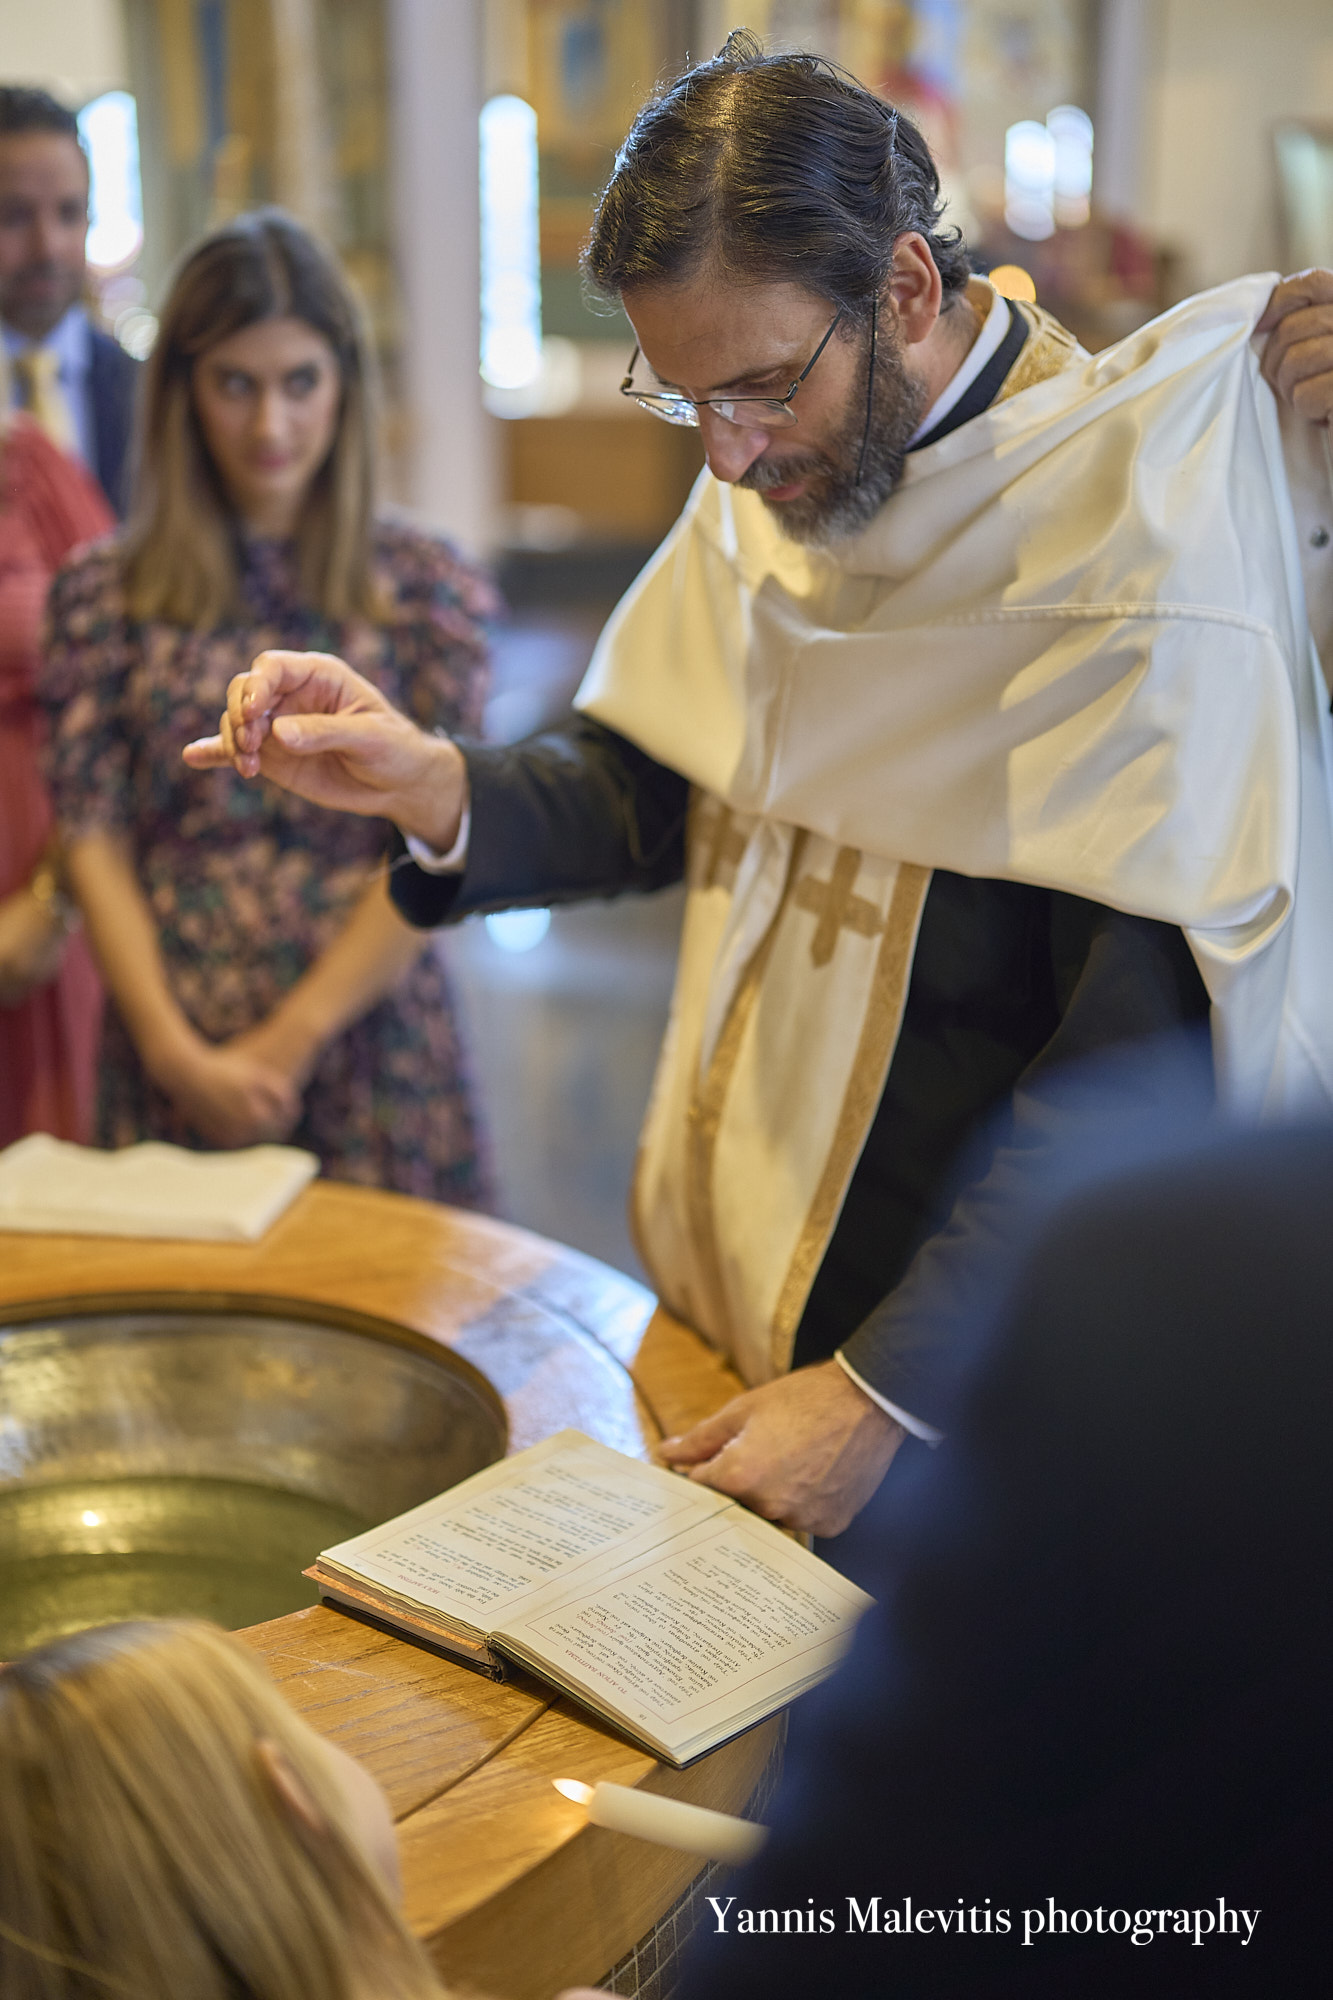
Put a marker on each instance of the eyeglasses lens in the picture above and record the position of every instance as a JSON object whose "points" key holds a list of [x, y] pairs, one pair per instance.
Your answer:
{"points": [[672, 409], [748, 414]]}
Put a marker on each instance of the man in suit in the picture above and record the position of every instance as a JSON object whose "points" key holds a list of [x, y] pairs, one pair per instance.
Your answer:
{"points": [[74, 379], [1081, 1745]]}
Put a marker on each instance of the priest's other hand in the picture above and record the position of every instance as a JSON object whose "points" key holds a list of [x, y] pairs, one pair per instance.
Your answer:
{"points": [[806, 1451], [1298, 360], [315, 727]]}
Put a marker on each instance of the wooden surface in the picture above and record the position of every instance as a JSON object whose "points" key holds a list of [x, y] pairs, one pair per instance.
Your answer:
{"points": [[514, 1893]]}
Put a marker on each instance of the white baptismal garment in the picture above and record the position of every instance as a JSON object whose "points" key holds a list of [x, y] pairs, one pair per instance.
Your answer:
{"points": [[1071, 650]]}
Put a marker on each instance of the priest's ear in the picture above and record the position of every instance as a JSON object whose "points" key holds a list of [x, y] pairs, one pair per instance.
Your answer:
{"points": [[914, 290]]}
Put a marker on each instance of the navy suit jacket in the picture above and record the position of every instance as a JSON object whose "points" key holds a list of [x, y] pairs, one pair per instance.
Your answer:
{"points": [[1099, 1671], [113, 378]]}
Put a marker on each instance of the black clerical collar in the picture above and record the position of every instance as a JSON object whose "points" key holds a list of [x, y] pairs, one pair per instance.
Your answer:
{"points": [[982, 393]]}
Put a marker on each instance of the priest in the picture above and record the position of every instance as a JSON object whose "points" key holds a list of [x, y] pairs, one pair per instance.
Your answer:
{"points": [[976, 697]]}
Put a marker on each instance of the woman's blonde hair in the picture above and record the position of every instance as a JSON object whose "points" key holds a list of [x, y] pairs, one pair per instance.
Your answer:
{"points": [[146, 1851], [181, 541]]}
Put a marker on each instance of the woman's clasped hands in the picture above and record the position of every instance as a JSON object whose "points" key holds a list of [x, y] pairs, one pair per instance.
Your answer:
{"points": [[236, 1093]]}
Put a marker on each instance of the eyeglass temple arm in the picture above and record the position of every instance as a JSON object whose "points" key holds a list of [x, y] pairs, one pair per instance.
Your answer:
{"points": [[629, 374], [870, 389], [839, 315]]}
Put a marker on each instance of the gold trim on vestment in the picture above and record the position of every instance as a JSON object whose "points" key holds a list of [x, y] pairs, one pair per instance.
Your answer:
{"points": [[836, 905], [874, 1053], [710, 844], [1048, 350], [708, 1100], [714, 843]]}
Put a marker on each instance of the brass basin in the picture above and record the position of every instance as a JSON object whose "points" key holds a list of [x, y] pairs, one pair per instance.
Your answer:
{"points": [[192, 1460]]}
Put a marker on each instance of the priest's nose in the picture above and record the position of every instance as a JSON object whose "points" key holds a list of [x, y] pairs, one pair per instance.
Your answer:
{"points": [[731, 449]]}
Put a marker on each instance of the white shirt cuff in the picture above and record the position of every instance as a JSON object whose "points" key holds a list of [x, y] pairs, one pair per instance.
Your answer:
{"points": [[433, 863], [918, 1429]]}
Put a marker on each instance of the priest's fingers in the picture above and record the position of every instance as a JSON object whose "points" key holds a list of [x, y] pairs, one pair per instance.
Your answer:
{"points": [[355, 736], [1306, 288], [1303, 377], [359, 737], [281, 682], [1298, 361], [212, 753], [206, 753], [706, 1440]]}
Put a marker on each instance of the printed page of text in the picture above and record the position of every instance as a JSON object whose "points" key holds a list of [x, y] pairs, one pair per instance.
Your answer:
{"points": [[683, 1642], [540, 1518]]}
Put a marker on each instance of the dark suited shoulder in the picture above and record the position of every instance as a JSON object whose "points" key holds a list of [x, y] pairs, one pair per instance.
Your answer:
{"points": [[573, 813], [1098, 1669], [113, 381]]}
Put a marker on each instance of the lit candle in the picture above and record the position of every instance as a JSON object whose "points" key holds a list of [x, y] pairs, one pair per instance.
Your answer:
{"points": [[670, 1822]]}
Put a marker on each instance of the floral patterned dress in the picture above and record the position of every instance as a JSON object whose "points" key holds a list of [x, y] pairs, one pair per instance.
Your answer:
{"points": [[247, 884]]}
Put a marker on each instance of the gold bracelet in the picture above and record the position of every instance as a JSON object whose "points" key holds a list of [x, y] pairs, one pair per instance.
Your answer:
{"points": [[44, 886]]}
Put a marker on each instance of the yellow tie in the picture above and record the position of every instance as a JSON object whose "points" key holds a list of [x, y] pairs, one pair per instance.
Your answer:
{"points": [[38, 374]]}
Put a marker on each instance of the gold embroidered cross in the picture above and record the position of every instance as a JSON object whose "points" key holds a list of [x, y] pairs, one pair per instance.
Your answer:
{"points": [[835, 906], [719, 844]]}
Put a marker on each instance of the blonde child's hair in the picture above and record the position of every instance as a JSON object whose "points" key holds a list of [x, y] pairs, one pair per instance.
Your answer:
{"points": [[145, 1850]]}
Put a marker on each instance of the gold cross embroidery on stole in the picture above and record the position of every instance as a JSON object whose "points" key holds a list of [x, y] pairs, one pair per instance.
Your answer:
{"points": [[836, 906]]}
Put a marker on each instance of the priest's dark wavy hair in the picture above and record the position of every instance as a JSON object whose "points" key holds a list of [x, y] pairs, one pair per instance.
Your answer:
{"points": [[769, 167]]}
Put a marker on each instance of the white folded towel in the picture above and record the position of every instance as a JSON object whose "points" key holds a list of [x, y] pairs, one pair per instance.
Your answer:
{"points": [[149, 1190]]}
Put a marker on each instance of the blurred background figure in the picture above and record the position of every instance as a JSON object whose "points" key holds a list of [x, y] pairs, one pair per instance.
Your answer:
{"points": [[171, 1828], [263, 986], [50, 999], [74, 380]]}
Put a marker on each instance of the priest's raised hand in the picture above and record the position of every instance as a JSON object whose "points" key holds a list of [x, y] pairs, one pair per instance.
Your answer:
{"points": [[311, 724], [1298, 355]]}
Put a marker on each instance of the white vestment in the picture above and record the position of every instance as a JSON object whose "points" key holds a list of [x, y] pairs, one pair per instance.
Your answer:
{"points": [[1072, 649]]}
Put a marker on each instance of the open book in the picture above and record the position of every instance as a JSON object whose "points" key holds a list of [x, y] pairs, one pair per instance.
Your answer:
{"points": [[672, 1612]]}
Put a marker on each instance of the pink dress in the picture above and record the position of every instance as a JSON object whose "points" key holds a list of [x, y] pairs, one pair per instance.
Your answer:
{"points": [[48, 1043]]}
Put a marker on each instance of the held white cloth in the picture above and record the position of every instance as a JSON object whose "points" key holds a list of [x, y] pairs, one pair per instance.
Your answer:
{"points": [[150, 1190], [1072, 649]]}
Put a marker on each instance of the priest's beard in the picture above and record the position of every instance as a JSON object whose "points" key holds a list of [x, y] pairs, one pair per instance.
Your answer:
{"points": [[835, 505]]}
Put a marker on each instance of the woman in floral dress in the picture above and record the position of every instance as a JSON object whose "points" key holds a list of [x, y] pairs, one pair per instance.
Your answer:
{"points": [[262, 984]]}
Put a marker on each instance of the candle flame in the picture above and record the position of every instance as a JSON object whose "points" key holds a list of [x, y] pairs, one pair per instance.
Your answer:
{"points": [[572, 1789]]}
